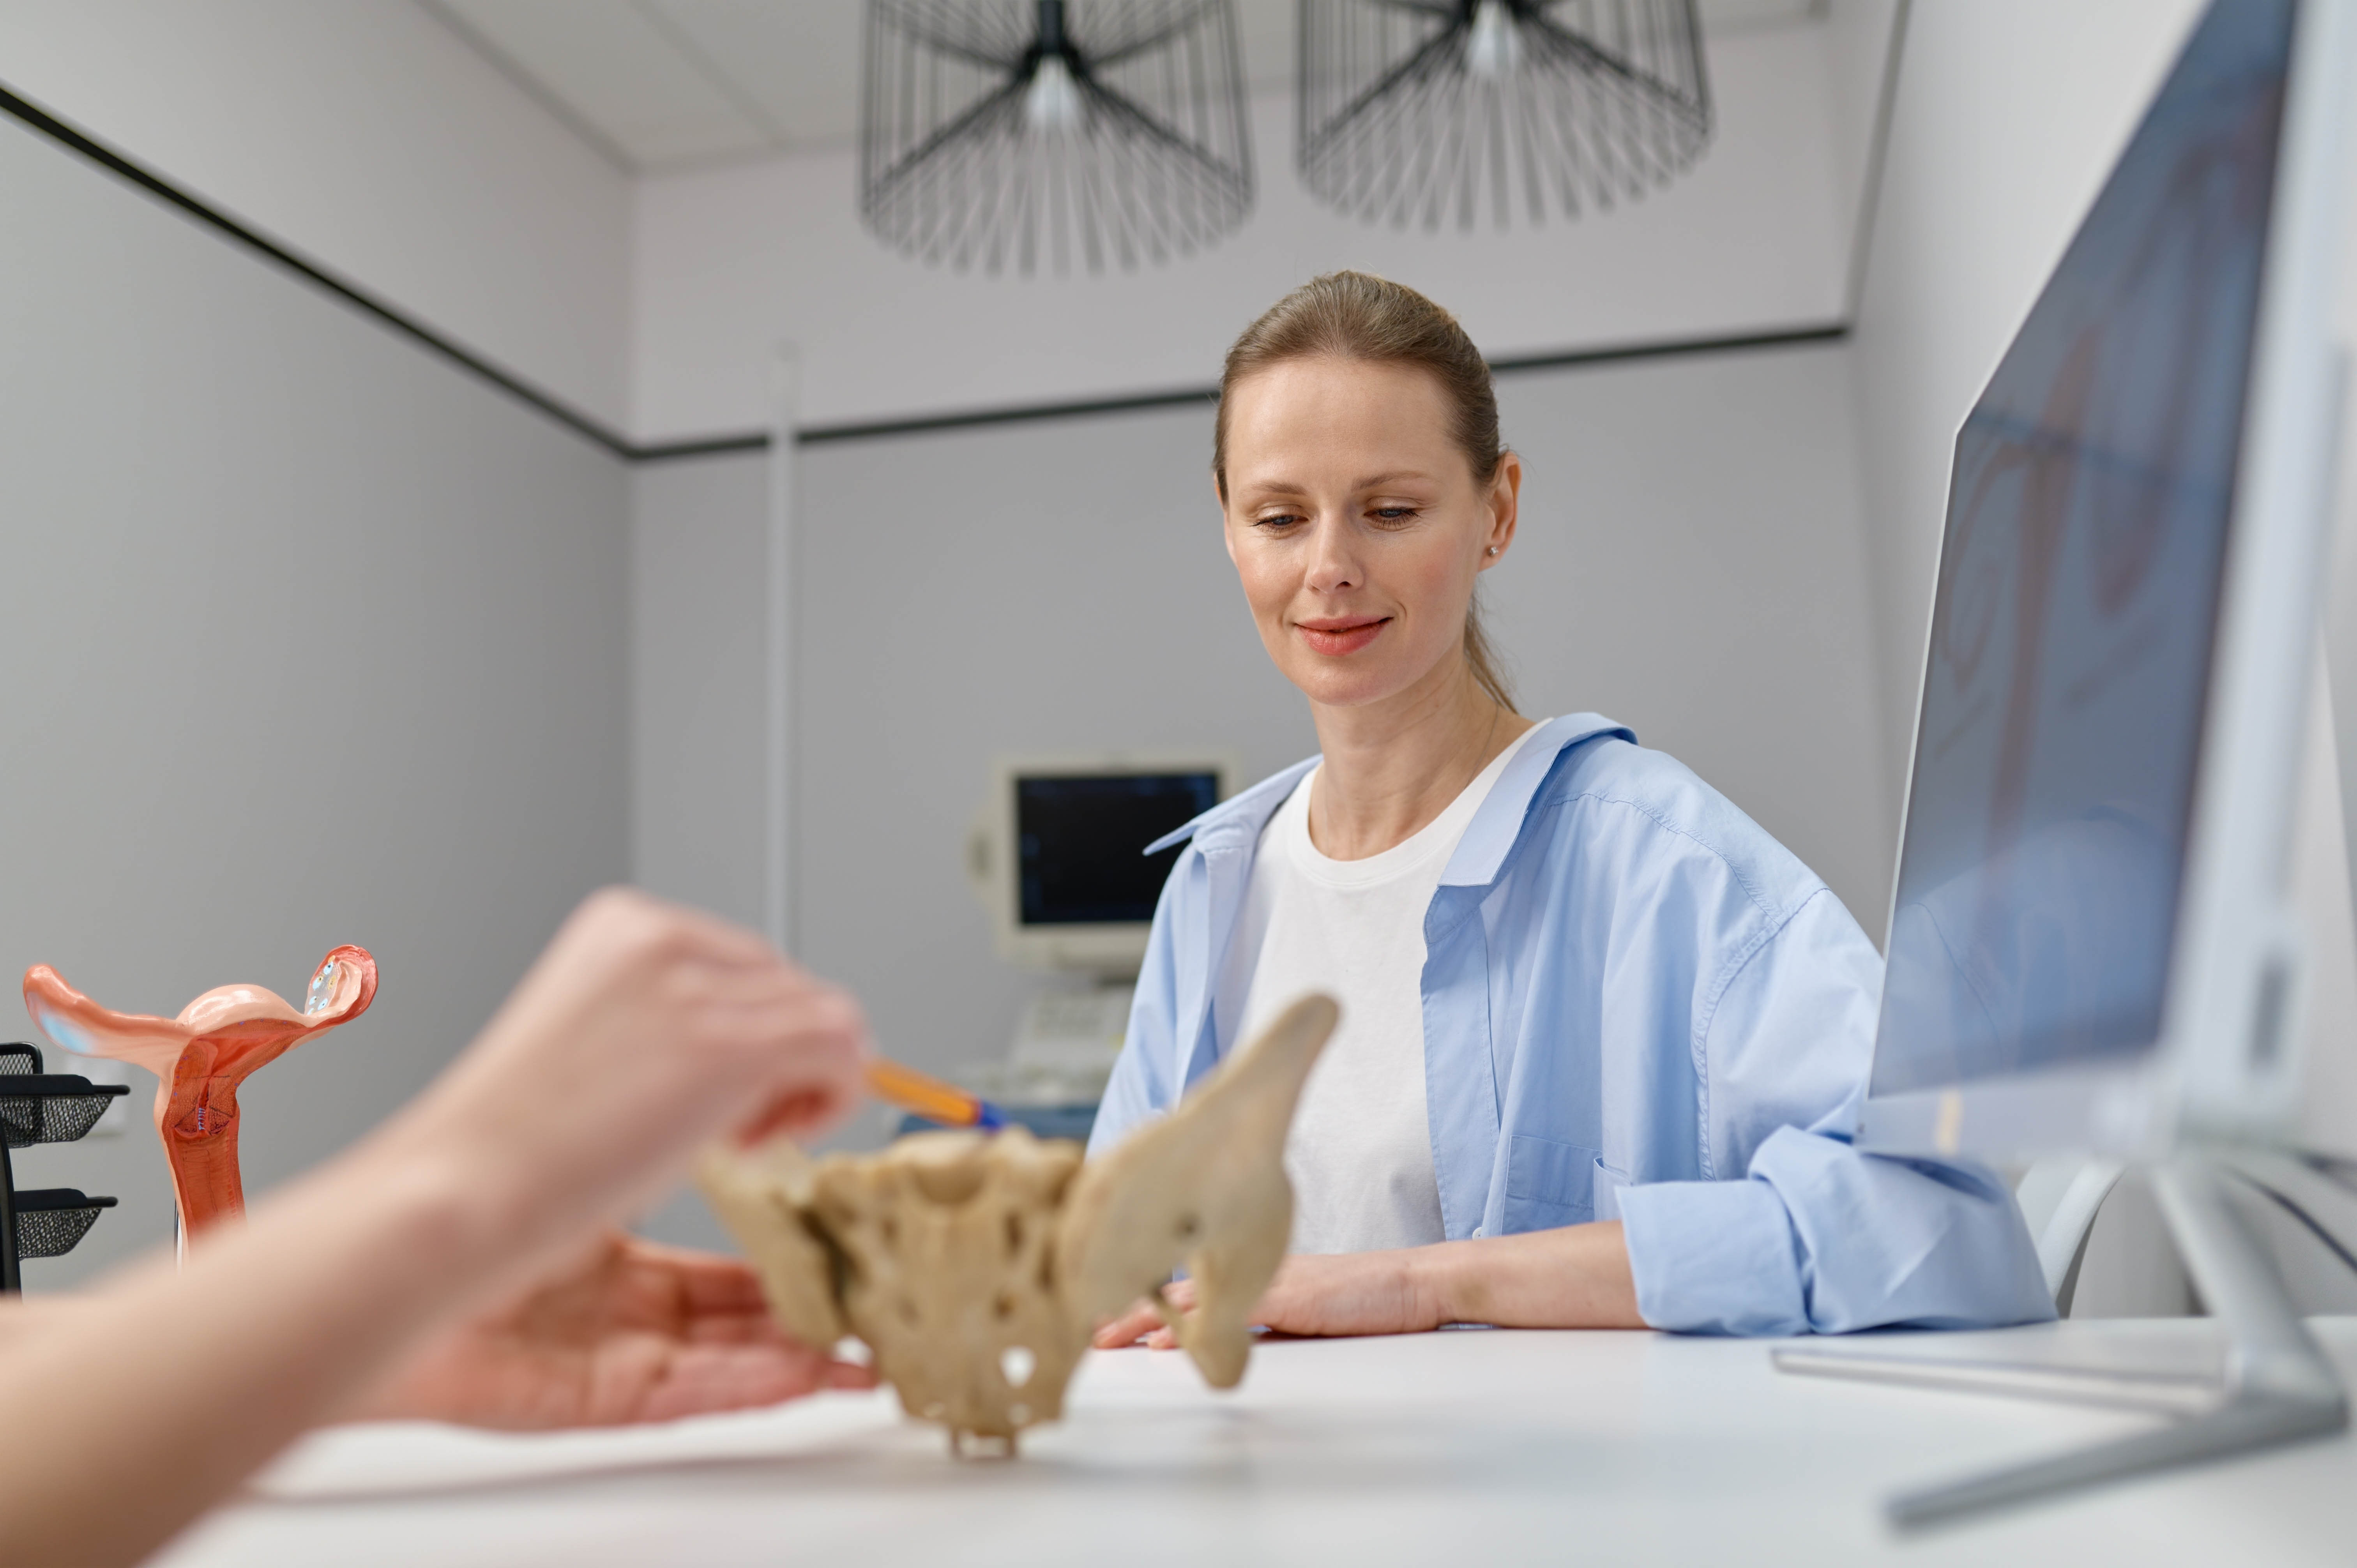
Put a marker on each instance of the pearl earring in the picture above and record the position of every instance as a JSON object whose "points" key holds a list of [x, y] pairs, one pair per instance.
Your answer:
{"points": [[1493, 550]]}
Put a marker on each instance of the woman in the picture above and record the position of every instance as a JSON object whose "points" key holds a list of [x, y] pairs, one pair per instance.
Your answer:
{"points": [[1603, 1039], [453, 1264]]}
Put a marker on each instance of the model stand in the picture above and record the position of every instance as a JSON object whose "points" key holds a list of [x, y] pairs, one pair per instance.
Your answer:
{"points": [[38, 1107]]}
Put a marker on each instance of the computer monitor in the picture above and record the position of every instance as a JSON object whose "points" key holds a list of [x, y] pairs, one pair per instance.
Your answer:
{"points": [[1058, 854], [2090, 943], [2089, 946]]}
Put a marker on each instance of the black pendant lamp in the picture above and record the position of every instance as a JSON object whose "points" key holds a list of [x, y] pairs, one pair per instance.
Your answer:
{"points": [[1424, 111], [1030, 133]]}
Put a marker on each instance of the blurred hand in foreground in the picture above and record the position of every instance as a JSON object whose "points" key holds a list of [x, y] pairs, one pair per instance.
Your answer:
{"points": [[452, 1263], [642, 1031], [633, 1332]]}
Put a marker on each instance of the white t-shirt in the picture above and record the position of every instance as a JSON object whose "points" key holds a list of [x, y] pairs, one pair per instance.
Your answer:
{"points": [[1361, 1150]]}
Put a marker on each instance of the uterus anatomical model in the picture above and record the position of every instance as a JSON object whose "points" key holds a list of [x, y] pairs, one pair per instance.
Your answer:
{"points": [[201, 1058]]}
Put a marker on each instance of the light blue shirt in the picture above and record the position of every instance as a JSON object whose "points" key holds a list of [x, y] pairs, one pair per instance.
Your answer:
{"points": [[1638, 1005]]}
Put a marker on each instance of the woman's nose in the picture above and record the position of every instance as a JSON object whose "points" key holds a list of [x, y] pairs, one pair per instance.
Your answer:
{"points": [[1333, 565]]}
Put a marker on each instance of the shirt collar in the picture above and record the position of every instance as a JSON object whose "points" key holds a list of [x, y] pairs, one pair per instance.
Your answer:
{"points": [[1238, 821], [1495, 827]]}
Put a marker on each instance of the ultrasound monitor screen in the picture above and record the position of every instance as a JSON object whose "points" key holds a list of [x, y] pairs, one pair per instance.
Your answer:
{"points": [[1077, 837], [2077, 603]]}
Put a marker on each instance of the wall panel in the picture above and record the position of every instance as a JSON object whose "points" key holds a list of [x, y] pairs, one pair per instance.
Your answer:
{"points": [[311, 639]]}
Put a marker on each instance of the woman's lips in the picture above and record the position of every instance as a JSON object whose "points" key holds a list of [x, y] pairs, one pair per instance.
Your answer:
{"points": [[1341, 635]]}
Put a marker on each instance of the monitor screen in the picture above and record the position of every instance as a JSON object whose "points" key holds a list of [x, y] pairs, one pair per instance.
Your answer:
{"points": [[1077, 838], [2077, 602]]}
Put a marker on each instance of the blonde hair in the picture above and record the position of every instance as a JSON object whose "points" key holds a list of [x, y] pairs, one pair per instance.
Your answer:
{"points": [[1357, 316]]}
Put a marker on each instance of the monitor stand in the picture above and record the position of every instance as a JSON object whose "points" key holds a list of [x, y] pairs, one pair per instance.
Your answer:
{"points": [[2278, 1385]]}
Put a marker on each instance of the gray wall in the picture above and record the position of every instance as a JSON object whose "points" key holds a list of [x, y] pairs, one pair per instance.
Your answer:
{"points": [[698, 546], [1689, 562], [312, 639]]}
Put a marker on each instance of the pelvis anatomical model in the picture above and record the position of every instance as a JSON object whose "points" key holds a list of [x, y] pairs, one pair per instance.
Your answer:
{"points": [[201, 1058], [974, 1265]]}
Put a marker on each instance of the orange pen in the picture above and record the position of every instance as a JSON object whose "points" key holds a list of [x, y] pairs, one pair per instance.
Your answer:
{"points": [[925, 1095]]}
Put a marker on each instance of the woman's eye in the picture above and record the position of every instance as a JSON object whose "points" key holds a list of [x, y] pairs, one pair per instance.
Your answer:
{"points": [[1278, 520], [1393, 514]]}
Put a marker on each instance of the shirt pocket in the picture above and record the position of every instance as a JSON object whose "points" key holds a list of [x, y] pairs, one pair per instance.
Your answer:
{"points": [[1549, 1184], [1606, 1185]]}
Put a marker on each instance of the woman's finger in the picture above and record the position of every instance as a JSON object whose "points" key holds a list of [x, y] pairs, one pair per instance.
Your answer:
{"points": [[800, 1114], [1124, 1330]]}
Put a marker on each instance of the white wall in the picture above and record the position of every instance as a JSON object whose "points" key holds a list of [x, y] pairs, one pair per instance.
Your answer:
{"points": [[731, 261], [311, 639], [1858, 42], [368, 136]]}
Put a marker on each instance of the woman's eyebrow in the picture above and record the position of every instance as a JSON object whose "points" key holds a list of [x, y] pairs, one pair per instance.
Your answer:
{"points": [[1261, 489]]}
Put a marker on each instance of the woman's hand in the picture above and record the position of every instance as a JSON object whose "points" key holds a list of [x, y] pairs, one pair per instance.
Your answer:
{"points": [[1576, 1277], [1342, 1293], [627, 1332]]}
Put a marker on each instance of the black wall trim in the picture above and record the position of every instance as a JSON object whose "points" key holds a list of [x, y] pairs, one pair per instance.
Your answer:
{"points": [[1676, 347], [702, 446], [311, 271], [595, 432], [819, 434], [1207, 397]]}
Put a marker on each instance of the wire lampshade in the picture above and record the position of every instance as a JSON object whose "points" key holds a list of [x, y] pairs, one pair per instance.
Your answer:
{"points": [[1029, 132], [1419, 109]]}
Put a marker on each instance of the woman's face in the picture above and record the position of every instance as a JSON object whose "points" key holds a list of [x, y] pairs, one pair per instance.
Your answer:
{"points": [[1356, 524]]}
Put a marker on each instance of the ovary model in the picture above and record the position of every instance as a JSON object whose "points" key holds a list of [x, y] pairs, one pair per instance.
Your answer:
{"points": [[199, 1059]]}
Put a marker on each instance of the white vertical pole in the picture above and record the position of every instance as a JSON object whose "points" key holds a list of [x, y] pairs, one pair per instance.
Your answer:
{"points": [[778, 791]]}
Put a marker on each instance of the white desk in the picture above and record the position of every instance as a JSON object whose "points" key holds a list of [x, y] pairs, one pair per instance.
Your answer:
{"points": [[1472, 1449]]}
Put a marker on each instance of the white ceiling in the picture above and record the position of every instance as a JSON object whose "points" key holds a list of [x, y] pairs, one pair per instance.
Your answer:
{"points": [[659, 85]]}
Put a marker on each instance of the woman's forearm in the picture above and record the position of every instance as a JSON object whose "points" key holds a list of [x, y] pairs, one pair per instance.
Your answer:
{"points": [[267, 1330], [1575, 1277]]}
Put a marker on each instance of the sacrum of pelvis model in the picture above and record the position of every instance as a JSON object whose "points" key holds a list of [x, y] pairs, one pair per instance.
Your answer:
{"points": [[974, 1265], [199, 1059]]}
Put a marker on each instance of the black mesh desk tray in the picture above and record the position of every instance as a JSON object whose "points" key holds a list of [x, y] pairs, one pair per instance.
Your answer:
{"points": [[50, 1220], [38, 1107]]}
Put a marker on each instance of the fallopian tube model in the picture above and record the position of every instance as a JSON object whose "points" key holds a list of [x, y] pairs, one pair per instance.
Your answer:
{"points": [[975, 1266], [199, 1059]]}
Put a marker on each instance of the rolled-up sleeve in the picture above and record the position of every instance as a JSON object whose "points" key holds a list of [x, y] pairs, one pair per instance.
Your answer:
{"points": [[1804, 1233]]}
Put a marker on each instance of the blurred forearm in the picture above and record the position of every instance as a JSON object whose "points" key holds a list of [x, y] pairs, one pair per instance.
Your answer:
{"points": [[1576, 1277], [267, 1330]]}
